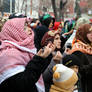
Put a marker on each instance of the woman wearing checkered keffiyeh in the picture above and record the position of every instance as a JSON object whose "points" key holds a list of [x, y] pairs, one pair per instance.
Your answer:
{"points": [[19, 70]]}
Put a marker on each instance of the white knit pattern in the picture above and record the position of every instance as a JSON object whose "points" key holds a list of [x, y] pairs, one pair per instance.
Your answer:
{"points": [[65, 72]]}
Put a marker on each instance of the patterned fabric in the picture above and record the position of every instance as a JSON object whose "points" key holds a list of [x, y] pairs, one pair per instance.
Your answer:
{"points": [[16, 48], [80, 46], [13, 31], [10, 55], [81, 42]]}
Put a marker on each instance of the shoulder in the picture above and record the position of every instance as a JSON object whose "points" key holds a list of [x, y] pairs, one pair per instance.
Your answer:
{"points": [[78, 53], [82, 56]]}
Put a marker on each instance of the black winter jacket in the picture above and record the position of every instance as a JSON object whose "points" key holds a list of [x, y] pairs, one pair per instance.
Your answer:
{"points": [[85, 70], [25, 81]]}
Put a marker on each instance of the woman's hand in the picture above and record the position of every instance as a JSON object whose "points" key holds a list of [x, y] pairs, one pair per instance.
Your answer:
{"points": [[46, 51], [57, 57]]}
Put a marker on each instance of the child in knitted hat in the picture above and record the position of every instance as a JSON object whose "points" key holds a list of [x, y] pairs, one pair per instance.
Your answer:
{"points": [[73, 62], [64, 79]]}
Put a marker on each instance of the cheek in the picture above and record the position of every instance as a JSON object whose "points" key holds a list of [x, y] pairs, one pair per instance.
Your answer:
{"points": [[76, 70], [54, 43], [57, 44], [89, 36]]}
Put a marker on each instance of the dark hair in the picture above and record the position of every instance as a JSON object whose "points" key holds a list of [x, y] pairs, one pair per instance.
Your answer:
{"points": [[47, 21], [14, 15], [48, 38]]}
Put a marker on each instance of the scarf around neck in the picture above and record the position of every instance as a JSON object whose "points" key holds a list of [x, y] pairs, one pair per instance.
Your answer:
{"points": [[80, 46]]}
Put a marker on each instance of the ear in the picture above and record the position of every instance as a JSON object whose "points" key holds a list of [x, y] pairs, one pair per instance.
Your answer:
{"points": [[54, 68], [56, 75]]}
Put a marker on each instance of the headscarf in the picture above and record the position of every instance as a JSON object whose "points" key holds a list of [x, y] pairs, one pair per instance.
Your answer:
{"points": [[13, 31], [81, 42], [56, 25], [17, 48], [82, 32], [10, 54]]}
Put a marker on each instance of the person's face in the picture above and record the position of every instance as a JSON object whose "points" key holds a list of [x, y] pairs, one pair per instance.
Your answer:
{"points": [[57, 41], [51, 24], [75, 68], [89, 36], [27, 29], [59, 28]]}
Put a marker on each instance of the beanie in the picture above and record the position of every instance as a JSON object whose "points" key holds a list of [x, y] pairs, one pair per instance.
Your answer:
{"points": [[63, 78], [70, 60], [46, 20], [46, 16]]}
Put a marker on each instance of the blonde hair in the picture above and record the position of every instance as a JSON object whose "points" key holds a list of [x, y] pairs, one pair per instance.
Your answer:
{"points": [[81, 21]]}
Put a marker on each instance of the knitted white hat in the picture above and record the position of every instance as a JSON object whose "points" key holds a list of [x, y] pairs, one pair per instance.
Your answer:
{"points": [[64, 77]]}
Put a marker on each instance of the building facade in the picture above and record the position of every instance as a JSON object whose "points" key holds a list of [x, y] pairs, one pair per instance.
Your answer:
{"points": [[27, 7], [7, 6]]}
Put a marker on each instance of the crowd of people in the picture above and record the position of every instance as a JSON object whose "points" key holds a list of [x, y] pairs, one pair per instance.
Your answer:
{"points": [[43, 55]]}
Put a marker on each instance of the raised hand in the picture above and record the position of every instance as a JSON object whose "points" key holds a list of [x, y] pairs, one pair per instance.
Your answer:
{"points": [[57, 57], [46, 51]]}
